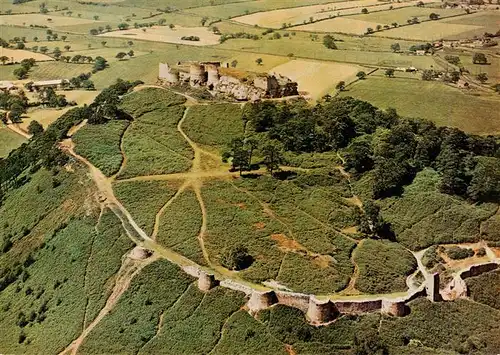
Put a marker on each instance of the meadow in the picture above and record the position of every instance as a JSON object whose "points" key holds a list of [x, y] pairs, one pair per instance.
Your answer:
{"points": [[422, 216], [383, 266], [10, 141], [215, 125], [431, 31], [100, 144], [474, 114], [152, 144]]}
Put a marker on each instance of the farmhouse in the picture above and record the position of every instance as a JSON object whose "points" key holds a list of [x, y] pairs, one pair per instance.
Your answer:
{"points": [[220, 79]]}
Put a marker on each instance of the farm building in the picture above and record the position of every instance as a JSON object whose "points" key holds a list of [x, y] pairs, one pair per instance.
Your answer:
{"points": [[220, 79], [54, 84]]}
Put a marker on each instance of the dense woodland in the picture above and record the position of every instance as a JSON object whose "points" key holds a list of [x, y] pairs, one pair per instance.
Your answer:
{"points": [[381, 143]]}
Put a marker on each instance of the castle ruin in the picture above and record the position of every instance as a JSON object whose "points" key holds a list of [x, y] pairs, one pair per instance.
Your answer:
{"points": [[219, 79]]}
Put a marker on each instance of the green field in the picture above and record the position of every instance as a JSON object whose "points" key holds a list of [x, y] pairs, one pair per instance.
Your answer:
{"points": [[10, 141], [467, 112], [101, 145]]}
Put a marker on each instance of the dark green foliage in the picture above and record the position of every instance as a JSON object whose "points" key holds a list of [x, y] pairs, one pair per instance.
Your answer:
{"points": [[100, 144], [446, 325], [485, 182], [457, 253], [329, 42], [431, 257], [35, 128], [383, 266], [484, 289], [236, 258]]}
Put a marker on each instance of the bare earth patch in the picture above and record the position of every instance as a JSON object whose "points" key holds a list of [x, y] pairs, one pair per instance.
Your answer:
{"points": [[17, 55], [286, 243], [165, 34], [316, 78]]}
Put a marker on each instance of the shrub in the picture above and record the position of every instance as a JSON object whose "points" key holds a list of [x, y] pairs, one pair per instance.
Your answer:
{"points": [[457, 253], [236, 258]]}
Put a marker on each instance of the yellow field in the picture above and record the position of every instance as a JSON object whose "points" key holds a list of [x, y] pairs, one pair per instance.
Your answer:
{"points": [[339, 24], [165, 34], [428, 31], [316, 78], [46, 116], [302, 15], [16, 55], [42, 20]]}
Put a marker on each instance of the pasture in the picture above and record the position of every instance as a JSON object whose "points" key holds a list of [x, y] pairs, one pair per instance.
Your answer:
{"points": [[430, 31], [43, 20], [165, 34], [316, 78], [339, 24], [9, 141], [401, 15], [487, 21], [470, 113], [17, 55]]}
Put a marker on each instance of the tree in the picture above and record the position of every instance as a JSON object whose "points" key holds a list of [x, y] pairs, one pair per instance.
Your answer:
{"points": [[389, 73], [94, 32], [379, 27], [340, 86], [44, 49], [482, 77], [238, 154], [100, 63], [204, 20], [67, 47], [4, 59], [364, 10], [57, 53], [171, 26], [329, 42], [121, 55], [108, 28], [361, 75], [131, 53], [130, 43], [20, 45], [485, 182], [369, 30], [123, 26], [21, 73], [272, 151], [479, 58], [35, 128], [236, 258], [234, 63], [103, 43], [395, 47], [433, 16], [96, 17], [63, 38], [259, 61], [35, 39]]}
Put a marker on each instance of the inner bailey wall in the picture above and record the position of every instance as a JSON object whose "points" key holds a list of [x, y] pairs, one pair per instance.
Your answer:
{"points": [[354, 307], [477, 270], [296, 300]]}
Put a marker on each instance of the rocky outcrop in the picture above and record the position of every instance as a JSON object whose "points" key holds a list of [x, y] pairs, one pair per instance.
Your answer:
{"points": [[242, 86]]}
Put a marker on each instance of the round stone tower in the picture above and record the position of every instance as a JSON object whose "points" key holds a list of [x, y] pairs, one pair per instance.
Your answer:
{"points": [[321, 311], [196, 74], [260, 300], [212, 74], [172, 77], [206, 281]]}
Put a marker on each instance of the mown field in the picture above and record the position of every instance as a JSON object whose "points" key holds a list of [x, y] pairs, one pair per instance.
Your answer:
{"points": [[10, 141], [470, 113]]}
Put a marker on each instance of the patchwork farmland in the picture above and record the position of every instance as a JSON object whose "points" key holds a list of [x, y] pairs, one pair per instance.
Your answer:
{"points": [[249, 177]]}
